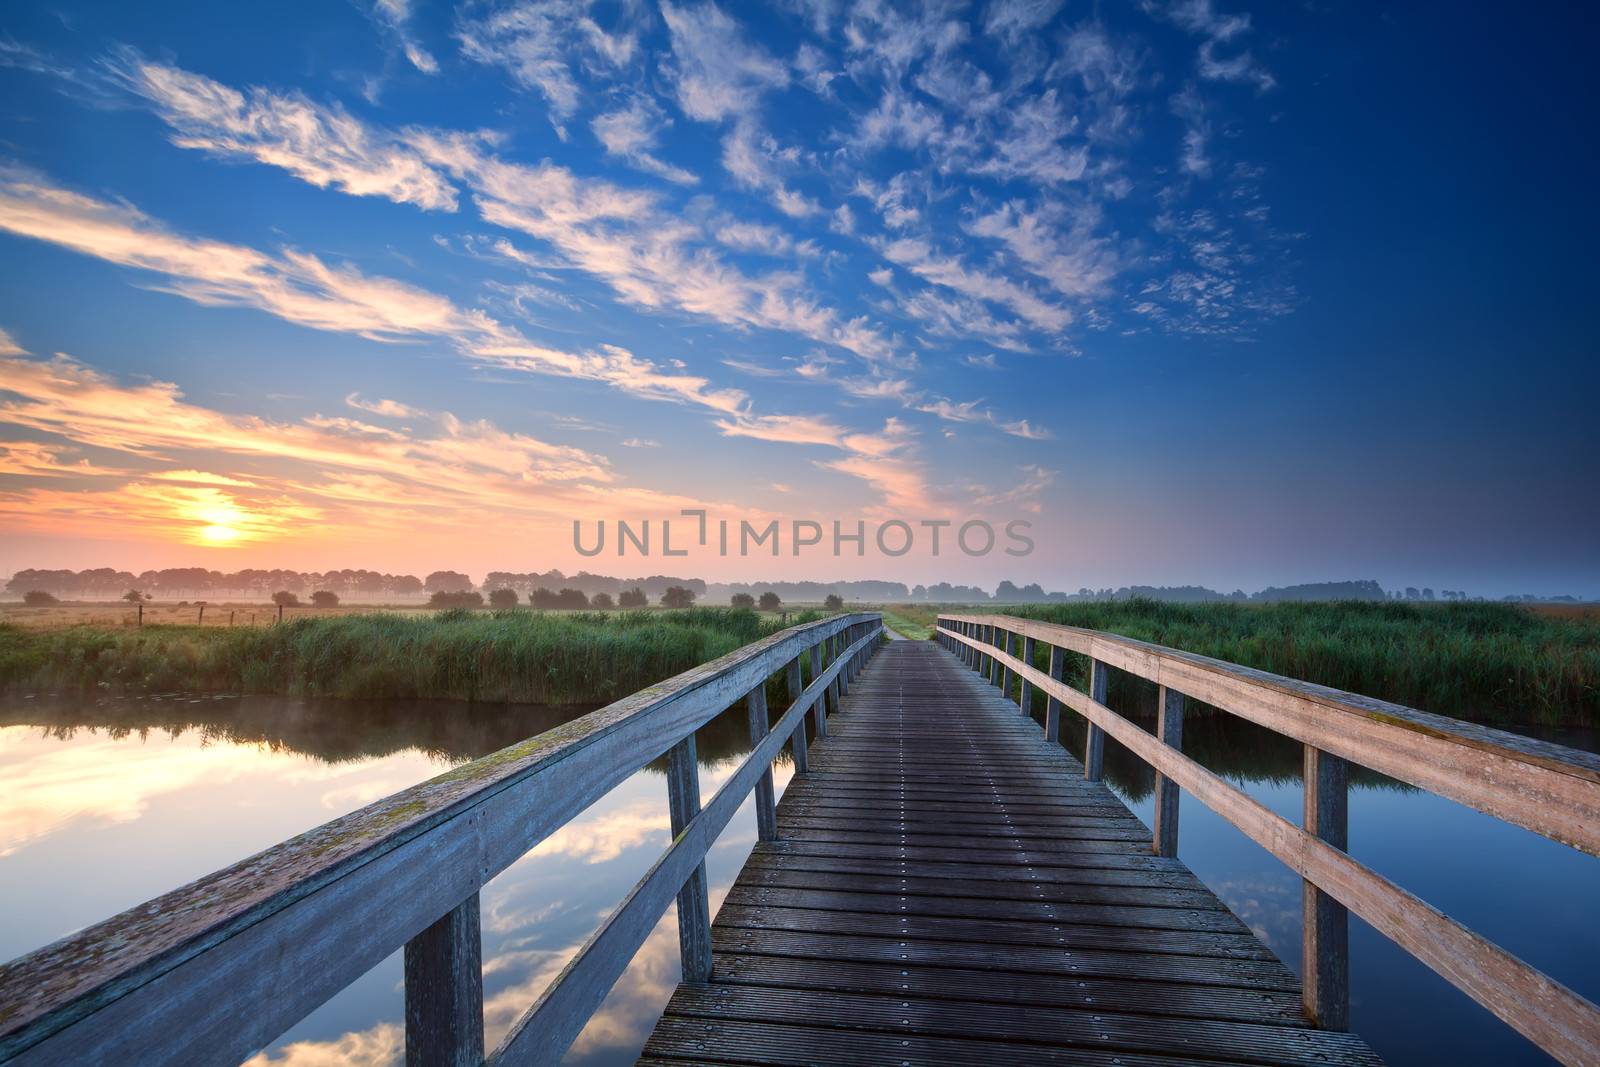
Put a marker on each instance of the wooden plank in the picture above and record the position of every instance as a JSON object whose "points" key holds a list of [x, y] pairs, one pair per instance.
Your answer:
{"points": [[678, 1039], [444, 991], [1183, 1000], [1076, 962], [1063, 1027], [1118, 913]]}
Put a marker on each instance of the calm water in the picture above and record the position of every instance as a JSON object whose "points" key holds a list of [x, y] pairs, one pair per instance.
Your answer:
{"points": [[107, 804]]}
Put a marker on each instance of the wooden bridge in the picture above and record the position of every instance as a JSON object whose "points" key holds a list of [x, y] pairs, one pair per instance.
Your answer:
{"points": [[942, 882]]}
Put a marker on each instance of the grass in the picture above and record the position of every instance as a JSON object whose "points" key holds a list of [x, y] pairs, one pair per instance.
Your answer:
{"points": [[1482, 662], [515, 655]]}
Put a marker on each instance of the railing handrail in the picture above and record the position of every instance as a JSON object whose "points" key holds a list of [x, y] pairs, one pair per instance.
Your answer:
{"points": [[287, 928], [1541, 786], [1516, 776]]}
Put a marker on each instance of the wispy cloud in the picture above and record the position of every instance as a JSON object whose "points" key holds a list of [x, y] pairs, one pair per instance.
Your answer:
{"points": [[715, 71], [543, 43], [323, 145], [632, 133], [1219, 31], [395, 15]]}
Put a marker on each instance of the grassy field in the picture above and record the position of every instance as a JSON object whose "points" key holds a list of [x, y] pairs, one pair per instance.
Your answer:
{"points": [[1484, 662], [516, 655]]}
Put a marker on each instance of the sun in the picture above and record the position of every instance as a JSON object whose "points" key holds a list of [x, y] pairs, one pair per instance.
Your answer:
{"points": [[218, 534]]}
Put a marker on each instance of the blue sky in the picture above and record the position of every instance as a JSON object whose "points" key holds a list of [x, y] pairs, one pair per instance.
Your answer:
{"points": [[1206, 292]]}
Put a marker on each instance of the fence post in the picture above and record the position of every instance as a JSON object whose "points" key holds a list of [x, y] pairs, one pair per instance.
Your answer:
{"points": [[797, 740], [1025, 697], [755, 705], [141, 615], [835, 687], [1325, 940], [1008, 645], [841, 641], [694, 906], [444, 991], [1169, 731], [997, 670], [819, 710], [1094, 742], [1053, 706]]}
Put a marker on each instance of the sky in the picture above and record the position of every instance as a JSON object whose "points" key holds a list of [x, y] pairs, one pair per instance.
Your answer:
{"points": [[1203, 292]]}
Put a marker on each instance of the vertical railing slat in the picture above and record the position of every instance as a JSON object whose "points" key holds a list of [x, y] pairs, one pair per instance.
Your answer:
{"points": [[694, 905], [819, 710], [1094, 742], [1025, 697], [1054, 707], [1169, 731], [1325, 940], [444, 991], [797, 740], [766, 799]]}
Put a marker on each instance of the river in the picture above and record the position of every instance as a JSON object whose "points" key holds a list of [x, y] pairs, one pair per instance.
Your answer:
{"points": [[110, 802]]}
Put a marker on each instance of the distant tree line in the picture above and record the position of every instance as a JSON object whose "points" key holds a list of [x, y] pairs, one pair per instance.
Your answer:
{"points": [[554, 590]]}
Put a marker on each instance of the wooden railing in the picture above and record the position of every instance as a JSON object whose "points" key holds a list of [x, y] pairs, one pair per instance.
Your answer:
{"points": [[1549, 789], [212, 972]]}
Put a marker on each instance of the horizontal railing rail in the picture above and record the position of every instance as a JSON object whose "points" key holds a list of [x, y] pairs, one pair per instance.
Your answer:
{"points": [[214, 971], [1551, 790]]}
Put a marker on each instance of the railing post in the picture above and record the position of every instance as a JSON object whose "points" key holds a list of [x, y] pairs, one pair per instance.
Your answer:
{"points": [[694, 905], [1325, 940], [833, 687], [444, 991], [1008, 645], [755, 705], [1094, 742], [797, 740], [841, 642], [1169, 731], [1025, 697], [819, 710], [1053, 706]]}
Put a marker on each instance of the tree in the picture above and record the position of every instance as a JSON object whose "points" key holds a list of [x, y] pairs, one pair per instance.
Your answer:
{"points": [[770, 601], [544, 599], [503, 598], [632, 598], [571, 600], [286, 599], [677, 596], [446, 582], [324, 598], [38, 598], [133, 596], [602, 602], [834, 602], [463, 598], [743, 600]]}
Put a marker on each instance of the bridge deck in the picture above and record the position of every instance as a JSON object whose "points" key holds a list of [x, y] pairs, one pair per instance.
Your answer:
{"points": [[947, 888]]}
